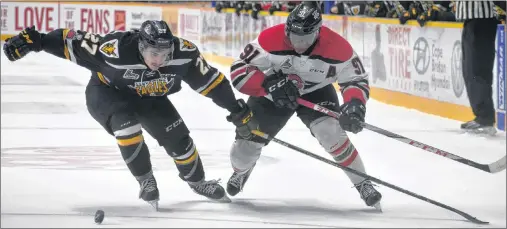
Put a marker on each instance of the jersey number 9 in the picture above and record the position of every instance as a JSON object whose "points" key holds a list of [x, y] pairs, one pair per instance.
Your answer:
{"points": [[249, 53], [359, 69]]}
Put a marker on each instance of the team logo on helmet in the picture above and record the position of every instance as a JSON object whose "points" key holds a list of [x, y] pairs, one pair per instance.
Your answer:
{"points": [[303, 12], [147, 29], [316, 14]]}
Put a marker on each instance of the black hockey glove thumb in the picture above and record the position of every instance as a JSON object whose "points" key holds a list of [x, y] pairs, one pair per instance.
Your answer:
{"points": [[26, 41], [244, 120], [352, 116]]}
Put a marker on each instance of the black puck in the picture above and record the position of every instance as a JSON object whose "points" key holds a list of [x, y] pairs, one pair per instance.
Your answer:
{"points": [[99, 216]]}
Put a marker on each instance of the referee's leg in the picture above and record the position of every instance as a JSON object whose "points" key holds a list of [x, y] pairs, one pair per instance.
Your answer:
{"points": [[478, 41]]}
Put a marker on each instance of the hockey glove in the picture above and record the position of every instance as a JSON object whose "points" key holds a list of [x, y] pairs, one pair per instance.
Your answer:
{"points": [[283, 92], [18, 46], [352, 115], [243, 120]]}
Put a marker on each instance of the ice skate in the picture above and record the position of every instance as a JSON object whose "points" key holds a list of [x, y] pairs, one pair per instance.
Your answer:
{"points": [[237, 182], [477, 128], [369, 194], [149, 191], [210, 189]]}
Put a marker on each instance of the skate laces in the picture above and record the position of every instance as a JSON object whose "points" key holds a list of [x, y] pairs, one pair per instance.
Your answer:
{"points": [[149, 185], [207, 187], [365, 188], [237, 179]]}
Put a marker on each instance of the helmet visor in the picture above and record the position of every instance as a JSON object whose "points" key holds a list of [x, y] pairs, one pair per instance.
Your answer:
{"points": [[301, 42]]}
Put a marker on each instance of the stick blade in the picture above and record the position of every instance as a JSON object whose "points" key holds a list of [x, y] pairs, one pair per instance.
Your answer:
{"points": [[476, 221], [497, 166]]}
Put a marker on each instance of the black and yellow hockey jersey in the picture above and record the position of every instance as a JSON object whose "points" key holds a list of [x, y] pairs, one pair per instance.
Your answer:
{"points": [[115, 61]]}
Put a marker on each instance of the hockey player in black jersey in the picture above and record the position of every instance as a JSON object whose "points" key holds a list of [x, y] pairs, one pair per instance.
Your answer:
{"points": [[132, 74]]}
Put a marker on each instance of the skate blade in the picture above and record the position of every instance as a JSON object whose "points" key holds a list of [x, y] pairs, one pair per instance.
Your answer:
{"points": [[378, 207], [480, 132], [154, 204], [224, 199]]}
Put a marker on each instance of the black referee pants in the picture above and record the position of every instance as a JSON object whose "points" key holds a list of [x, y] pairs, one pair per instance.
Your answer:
{"points": [[478, 46]]}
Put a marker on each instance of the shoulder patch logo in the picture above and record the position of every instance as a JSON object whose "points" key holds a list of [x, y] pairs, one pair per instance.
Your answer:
{"points": [[71, 34], [110, 49], [186, 45], [286, 64], [130, 75]]}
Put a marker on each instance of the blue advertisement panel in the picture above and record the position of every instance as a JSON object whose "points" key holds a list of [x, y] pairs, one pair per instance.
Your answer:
{"points": [[500, 99]]}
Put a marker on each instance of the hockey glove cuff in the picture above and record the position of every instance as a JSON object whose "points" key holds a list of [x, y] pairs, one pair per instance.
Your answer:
{"points": [[243, 120], [18, 46], [352, 116]]}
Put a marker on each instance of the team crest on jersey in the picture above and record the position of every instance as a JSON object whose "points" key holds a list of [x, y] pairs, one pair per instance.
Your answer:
{"points": [[110, 49], [296, 80], [156, 87], [186, 45]]}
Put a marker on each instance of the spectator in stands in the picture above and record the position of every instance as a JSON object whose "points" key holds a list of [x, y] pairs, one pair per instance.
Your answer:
{"points": [[257, 6], [352, 8], [366, 8], [480, 19], [422, 11], [438, 11]]}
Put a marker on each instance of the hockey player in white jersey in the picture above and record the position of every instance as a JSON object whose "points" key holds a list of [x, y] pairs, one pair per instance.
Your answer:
{"points": [[301, 58]]}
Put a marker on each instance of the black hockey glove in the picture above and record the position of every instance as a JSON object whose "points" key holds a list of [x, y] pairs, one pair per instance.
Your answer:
{"points": [[18, 46], [352, 115], [283, 92], [243, 120]]}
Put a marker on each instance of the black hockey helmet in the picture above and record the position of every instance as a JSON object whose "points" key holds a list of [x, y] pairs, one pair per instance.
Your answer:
{"points": [[156, 34], [303, 26], [156, 42]]}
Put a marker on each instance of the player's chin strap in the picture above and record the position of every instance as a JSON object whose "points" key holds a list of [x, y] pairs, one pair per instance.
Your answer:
{"points": [[494, 167], [376, 180]]}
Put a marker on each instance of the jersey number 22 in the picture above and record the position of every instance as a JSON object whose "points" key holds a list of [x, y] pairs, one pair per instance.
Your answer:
{"points": [[90, 42]]}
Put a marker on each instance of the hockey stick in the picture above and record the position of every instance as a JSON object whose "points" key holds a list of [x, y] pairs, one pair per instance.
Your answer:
{"points": [[494, 167], [376, 180]]}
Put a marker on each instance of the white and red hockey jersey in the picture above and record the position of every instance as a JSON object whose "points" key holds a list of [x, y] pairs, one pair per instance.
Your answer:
{"points": [[331, 60]]}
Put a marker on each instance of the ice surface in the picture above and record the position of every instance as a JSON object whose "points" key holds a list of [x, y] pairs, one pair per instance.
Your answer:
{"points": [[59, 166]]}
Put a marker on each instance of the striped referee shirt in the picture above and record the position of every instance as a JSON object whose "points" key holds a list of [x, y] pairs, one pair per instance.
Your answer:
{"points": [[474, 9]]}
